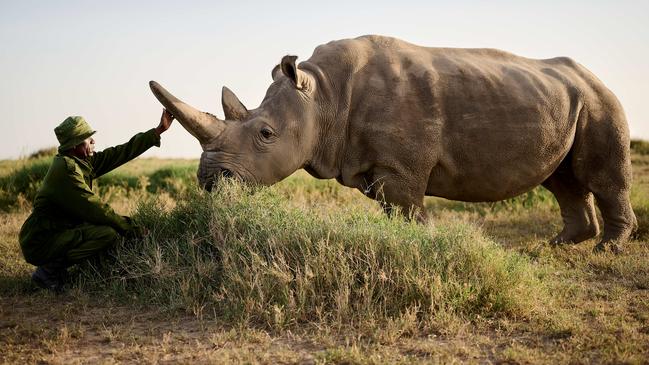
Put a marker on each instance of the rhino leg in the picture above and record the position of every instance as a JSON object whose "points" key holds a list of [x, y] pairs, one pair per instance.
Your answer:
{"points": [[408, 211], [602, 163], [619, 220], [394, 193], [577, 208]]}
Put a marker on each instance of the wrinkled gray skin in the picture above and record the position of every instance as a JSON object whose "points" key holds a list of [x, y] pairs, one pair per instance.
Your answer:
{"points": [[398, 122]]}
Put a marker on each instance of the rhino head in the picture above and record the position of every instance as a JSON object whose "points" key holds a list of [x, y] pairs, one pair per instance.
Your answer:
{"points": [[263, 145]]}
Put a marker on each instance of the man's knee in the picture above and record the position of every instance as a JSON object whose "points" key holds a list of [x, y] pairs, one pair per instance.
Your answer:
{"points": [[96, 239], [108, 232], [105, 235]]}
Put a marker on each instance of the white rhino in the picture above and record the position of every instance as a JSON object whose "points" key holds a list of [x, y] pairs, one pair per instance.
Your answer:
{"points": [[398, 121]]}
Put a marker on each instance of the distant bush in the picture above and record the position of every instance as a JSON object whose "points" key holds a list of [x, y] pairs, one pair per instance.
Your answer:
{"points": [[639, 146], [642, 214], [249, 257], [23, 182], [173, 180], [118, 179], [537, 198], [640, 202], [44, 152], [534, 198]]}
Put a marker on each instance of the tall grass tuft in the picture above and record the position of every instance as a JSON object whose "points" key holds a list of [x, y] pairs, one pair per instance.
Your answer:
{"points": [[251, 258]]}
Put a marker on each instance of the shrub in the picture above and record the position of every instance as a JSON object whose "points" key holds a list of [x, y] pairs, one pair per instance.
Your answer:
{"points": [[639, 146], [118, 179], [44, 152], [537, 198], [23, 182], [174, 180]]}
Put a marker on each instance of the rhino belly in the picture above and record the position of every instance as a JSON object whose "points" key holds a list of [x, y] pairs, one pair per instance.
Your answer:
{"points": [[492, 166]]}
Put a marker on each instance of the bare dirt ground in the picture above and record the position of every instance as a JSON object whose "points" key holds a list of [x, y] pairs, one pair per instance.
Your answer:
{"points": [[609, 323], [49, 329]]}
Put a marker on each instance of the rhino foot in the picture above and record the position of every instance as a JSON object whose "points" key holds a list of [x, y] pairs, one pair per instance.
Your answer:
{"points": [[569, 238], [613, 246]]}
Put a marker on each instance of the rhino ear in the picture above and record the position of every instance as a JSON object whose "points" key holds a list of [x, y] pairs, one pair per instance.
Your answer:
{"points": [[291, 71], [232, 107], [275, 72]]}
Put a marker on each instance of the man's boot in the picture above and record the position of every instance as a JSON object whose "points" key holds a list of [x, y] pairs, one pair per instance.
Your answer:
{"points": [[51, 276]]}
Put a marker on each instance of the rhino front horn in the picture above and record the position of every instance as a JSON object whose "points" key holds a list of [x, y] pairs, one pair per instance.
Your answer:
{"points": [[204, 126]]}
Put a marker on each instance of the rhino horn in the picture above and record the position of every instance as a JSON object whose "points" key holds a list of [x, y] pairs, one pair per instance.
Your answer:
{"points": [[232, 107], [276, 71], [204, 126]]}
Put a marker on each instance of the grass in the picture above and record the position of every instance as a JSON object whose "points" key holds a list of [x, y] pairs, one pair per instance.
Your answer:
{"points": [[252, 258], [310, 271]]}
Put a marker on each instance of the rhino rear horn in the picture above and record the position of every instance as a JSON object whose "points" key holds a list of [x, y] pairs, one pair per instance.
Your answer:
{"points": [[275, 73], [299, 77], [204, 126], [233, 108]]}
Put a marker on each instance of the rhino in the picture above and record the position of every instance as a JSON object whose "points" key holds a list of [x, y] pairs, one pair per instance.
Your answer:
{"points": [[399, 122]]}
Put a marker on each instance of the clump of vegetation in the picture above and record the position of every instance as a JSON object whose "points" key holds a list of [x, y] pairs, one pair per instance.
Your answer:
{"points": [[173, 180], [538, 197], [23, 182], [641, 210], [44, 152], [640, 146], [250, 257]]}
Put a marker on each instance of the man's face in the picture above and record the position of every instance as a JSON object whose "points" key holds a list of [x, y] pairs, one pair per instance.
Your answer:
{"points": [[85, 148]]}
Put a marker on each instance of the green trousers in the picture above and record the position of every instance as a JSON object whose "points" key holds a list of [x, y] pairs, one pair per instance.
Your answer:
{"points": [[72, 245]]}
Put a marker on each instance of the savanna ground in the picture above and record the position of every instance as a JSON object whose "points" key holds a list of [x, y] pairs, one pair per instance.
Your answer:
{"points": [[308, 271]]}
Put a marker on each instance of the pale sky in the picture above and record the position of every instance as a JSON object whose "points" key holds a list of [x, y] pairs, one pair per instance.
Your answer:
{"points": [[95, 58]]}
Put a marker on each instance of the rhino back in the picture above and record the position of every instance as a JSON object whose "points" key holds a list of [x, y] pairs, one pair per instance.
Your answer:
{"points": [[472, 124]]}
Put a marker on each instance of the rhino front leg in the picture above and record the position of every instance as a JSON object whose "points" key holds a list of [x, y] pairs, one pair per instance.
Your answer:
{"points": [[395, 194]]}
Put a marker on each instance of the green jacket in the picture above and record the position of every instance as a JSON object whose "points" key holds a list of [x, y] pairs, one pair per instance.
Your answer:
{"points": [[66, 199]]}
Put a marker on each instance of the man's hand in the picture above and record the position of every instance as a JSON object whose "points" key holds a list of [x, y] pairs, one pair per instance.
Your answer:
{"points": [[165, 122]]}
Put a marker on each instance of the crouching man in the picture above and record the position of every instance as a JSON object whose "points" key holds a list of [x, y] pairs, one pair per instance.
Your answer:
{"points": [[69, 223]]}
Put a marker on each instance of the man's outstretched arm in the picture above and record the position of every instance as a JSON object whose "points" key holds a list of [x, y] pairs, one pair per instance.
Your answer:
{"points": [[113, 157]]}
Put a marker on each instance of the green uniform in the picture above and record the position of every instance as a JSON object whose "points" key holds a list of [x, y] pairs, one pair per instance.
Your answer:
{"points": [[69, 221]]}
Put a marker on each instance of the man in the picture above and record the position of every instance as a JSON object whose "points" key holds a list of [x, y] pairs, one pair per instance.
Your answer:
{"points": [[69, 223]]}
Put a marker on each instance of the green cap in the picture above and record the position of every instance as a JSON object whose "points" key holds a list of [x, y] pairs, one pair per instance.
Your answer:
{"points": [[72, 132]]}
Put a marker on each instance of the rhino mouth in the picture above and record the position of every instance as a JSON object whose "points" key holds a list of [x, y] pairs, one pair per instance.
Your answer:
{"points": [[208, 182], [226, 173]]}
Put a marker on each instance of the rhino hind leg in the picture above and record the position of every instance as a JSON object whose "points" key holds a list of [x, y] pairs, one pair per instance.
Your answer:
{"points": [[603, 165], [577, 208], [619, 220]]}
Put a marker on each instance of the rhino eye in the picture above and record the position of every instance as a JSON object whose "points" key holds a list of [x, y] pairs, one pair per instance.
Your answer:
{"points": [[266, 133]]}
